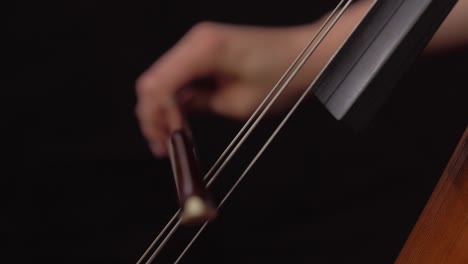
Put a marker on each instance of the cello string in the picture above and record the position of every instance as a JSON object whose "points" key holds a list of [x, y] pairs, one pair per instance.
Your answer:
{"points": [[277, 94], [253, 126], [158, 237], [191, 242], [239, 134], [269, 105], [174, 217], [270, 94], [267, 143], [163, 243]]}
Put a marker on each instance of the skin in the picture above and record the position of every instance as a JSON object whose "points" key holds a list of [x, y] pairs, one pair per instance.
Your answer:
{"points": [[242, 63]]}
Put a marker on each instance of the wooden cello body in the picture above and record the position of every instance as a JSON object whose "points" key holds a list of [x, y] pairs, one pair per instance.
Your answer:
{"points": [[363, 71], [441, 233]]}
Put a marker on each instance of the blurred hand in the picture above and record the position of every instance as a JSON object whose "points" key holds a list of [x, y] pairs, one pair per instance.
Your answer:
{"points": [[241, 63]]}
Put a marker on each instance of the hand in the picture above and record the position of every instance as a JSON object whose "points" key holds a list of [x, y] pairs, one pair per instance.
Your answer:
{"points": [[242, 63]]}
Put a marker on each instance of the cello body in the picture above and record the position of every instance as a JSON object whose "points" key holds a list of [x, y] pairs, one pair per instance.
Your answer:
{"points": [[379, 51], [441, 234]]}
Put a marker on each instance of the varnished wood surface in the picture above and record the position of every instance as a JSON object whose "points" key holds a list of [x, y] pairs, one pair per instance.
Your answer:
{"points": [[440, 235]]}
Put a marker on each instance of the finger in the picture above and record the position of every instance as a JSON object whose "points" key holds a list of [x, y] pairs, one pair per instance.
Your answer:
{"points": [[153, 129], [195, 56], [235, 100], [196, 99], [173, 116]]}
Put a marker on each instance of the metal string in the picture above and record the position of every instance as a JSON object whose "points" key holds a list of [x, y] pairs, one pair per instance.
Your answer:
{"points": [[155, 241], [267, 143], [278, 93], [241, 132], [272, 91]]}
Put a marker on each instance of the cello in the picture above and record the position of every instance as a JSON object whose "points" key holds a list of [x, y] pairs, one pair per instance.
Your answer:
{"points": [[352, 87]]}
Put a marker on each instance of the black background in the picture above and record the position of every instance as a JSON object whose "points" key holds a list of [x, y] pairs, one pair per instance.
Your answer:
{"points": [[80, 186]]}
